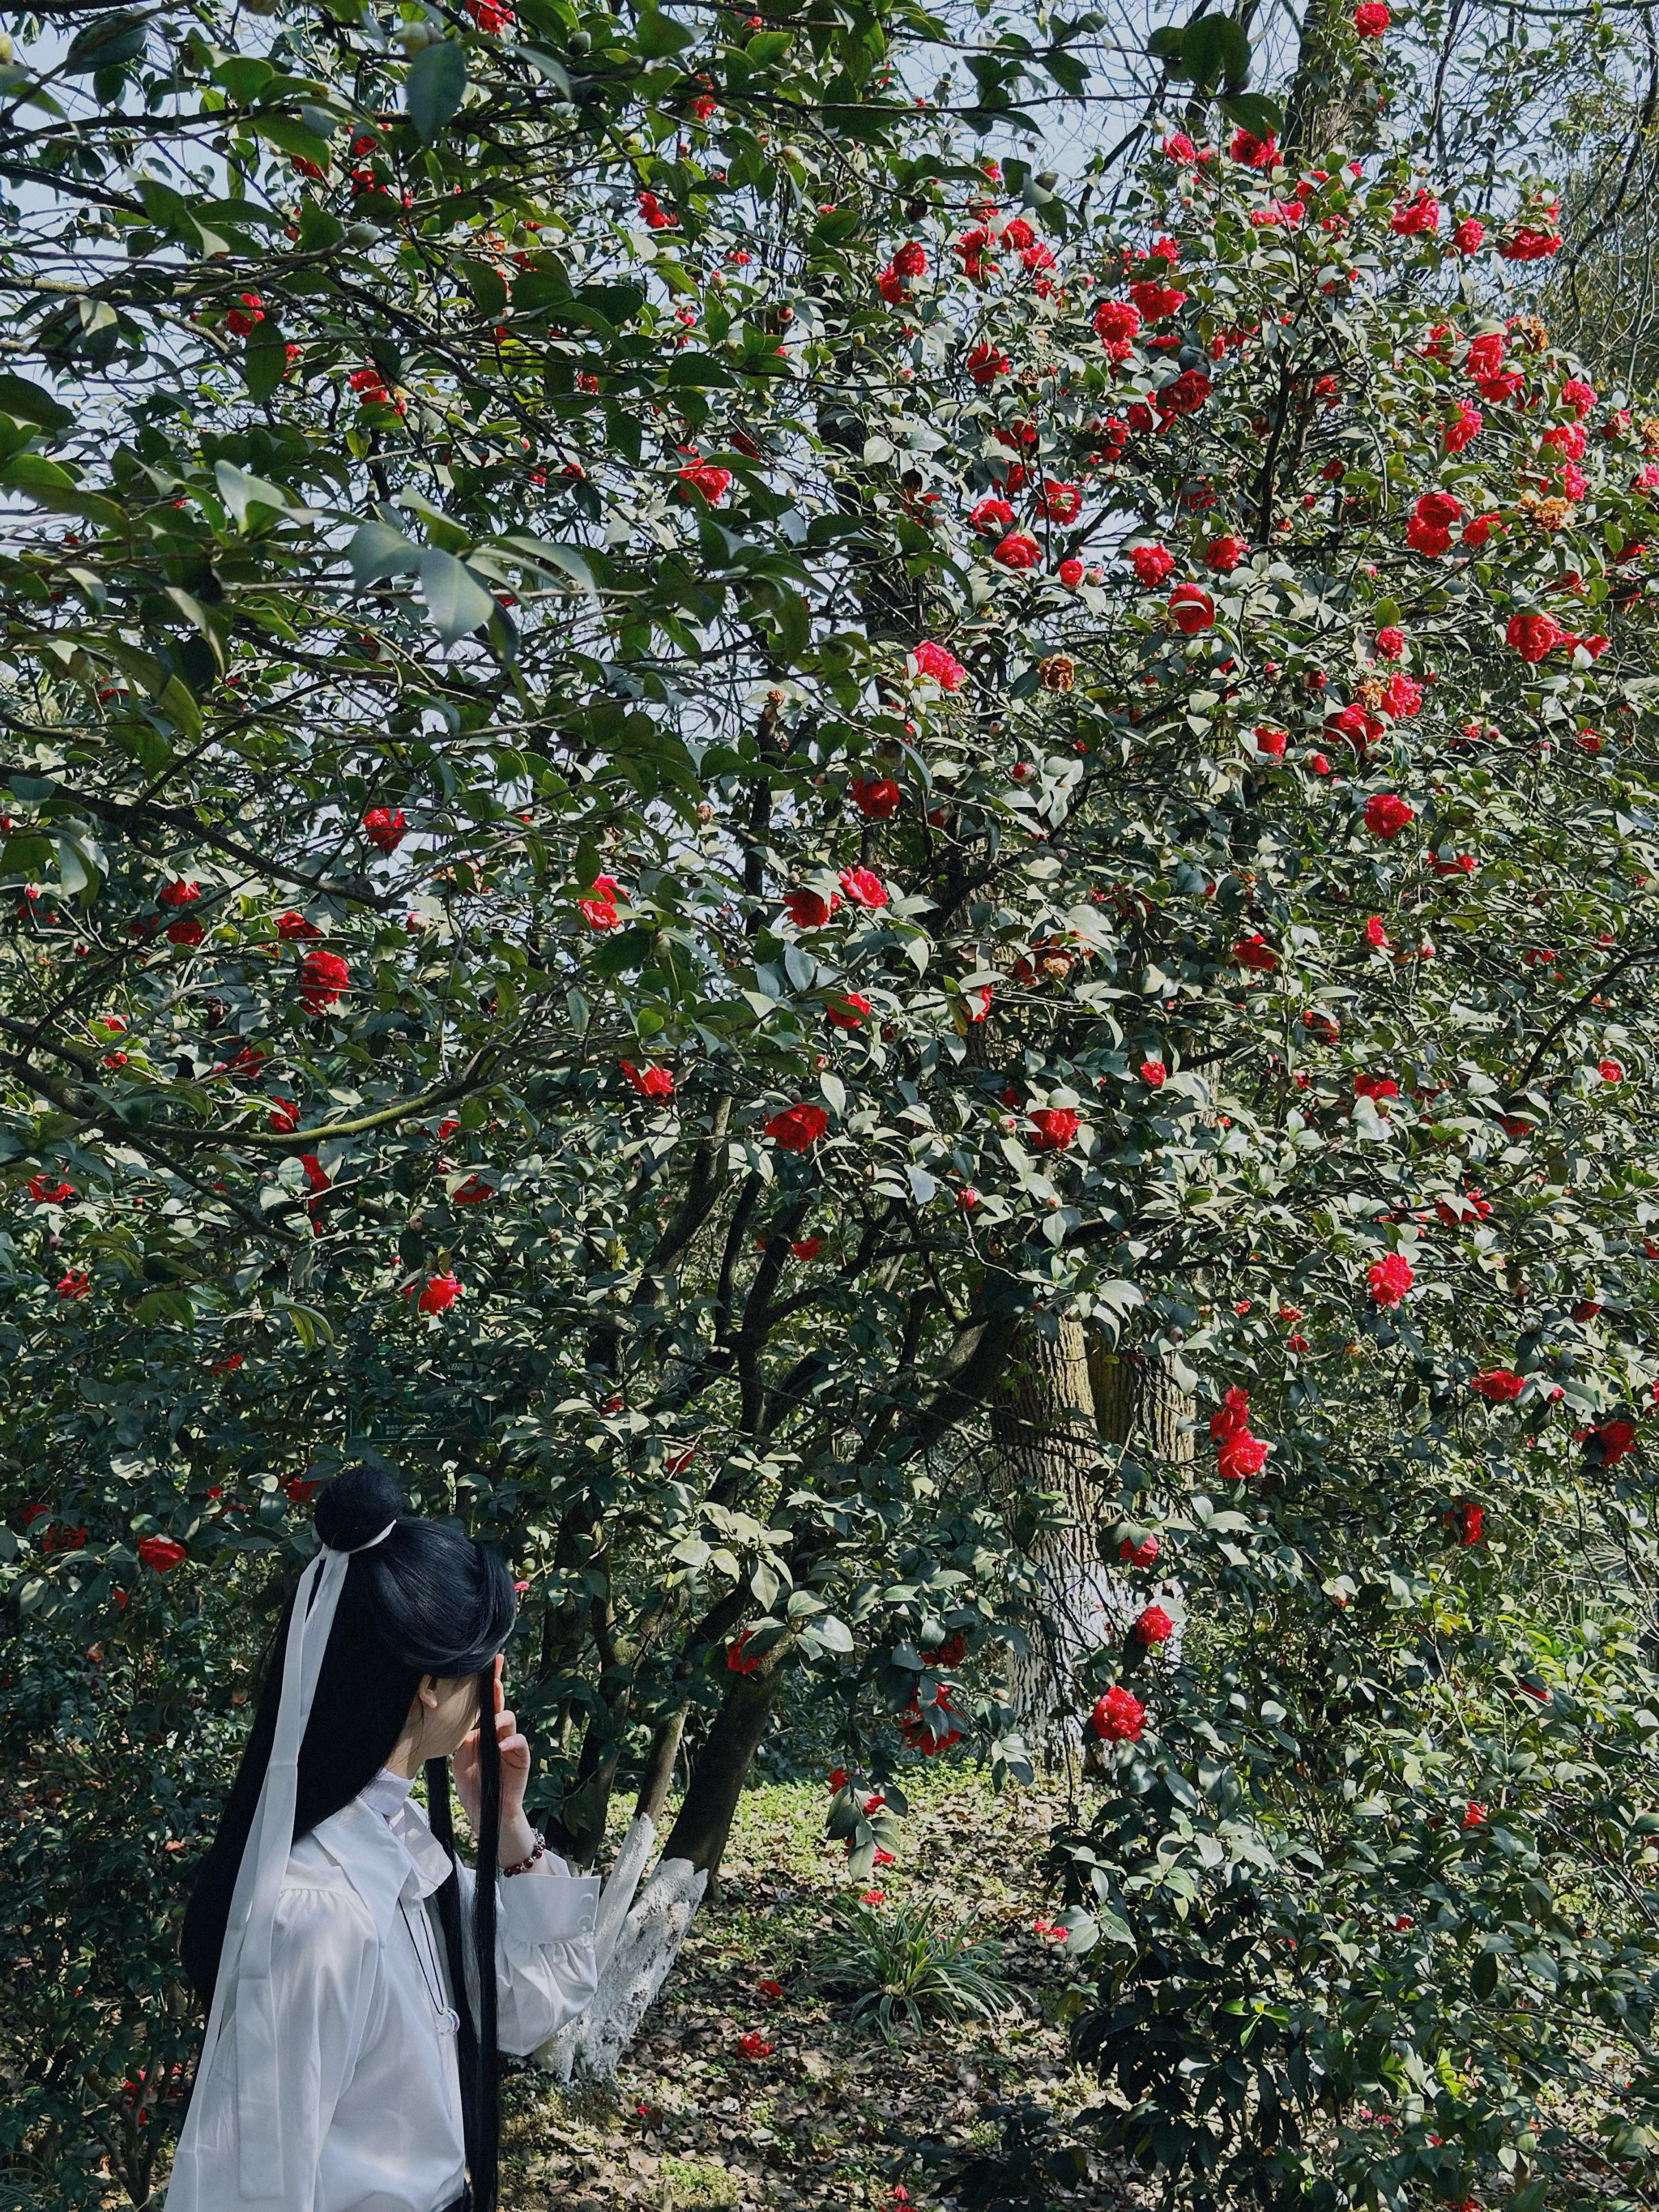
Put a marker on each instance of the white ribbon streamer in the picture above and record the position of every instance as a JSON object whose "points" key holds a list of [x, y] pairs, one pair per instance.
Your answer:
{"points": [[244, 1999]]}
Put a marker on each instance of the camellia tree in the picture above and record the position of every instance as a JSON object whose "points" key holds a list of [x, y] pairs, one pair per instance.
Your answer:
{"points": [[687, 779]]}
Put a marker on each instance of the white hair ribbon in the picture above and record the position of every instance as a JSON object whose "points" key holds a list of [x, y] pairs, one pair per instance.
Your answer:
{"points": [[243, 2000]]}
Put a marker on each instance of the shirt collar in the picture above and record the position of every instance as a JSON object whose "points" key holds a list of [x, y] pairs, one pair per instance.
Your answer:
{"points": [[386, 1862], [388, 1793]]}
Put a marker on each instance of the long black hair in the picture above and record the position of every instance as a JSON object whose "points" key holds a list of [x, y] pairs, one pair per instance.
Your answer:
{"points": [[428, 1600]]}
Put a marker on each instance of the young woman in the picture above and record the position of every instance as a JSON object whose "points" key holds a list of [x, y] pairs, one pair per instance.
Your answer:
{"points": [[350, 2058]]}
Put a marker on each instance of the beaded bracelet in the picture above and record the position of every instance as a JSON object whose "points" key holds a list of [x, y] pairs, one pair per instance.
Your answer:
{"points": [[525, 1865]]}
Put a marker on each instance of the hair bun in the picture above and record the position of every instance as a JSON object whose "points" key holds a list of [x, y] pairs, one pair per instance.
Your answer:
{"points": [[358, 1504]]}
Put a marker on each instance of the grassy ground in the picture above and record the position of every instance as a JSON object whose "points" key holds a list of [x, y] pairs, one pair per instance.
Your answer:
{"points": [[829, 2115]]}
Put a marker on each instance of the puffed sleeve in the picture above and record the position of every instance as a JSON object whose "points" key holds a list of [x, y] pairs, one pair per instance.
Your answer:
{"points": [[545, 1968], [324, 1952]]}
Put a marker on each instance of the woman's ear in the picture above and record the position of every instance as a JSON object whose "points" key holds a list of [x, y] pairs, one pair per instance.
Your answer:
{"points": [[427, 1692]]}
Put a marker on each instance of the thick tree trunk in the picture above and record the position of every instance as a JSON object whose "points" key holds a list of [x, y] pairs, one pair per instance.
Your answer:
{"points": [[1042, 1423], [659, 1761], [719, 1769], [1138, 1402]]}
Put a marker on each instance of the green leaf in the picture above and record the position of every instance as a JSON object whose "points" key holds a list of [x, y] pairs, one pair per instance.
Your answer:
{"points": [[31, 403], [106, 43], [1262, 116], [289, 135], [437, 86], [240, 491], [377, 550], [457, 602], [659, 35], [264, 361]]}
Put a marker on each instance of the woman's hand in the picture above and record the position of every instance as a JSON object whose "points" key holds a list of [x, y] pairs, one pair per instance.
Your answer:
{"points": [[516, 1840]]}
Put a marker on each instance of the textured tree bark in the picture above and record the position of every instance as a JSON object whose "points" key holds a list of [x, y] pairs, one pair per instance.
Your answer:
{"points": [[1138, 1402], [658, 1774], [722, 1762], [1042, 1425]]}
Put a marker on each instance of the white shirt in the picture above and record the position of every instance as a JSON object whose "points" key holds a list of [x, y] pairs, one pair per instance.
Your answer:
{"points": [[372, 2097]]}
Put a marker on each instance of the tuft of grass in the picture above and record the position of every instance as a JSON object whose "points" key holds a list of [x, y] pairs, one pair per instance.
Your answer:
{"points": [[899, 1967], [697, 2185]]}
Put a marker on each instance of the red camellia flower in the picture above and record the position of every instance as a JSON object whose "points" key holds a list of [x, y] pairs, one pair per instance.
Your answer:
{"points": [[702, 481], [1468, 235], [739, 1659], [1417, 217], [1154, 1626], [1119, 1716], [911, 259], [1475, 1816], [1390, 643], [1153, 1072], [599, 908], [850, 1011], [1222, 555], [1192, 610], [771, 1990], [1017, 550], [1155, 301], [439, 1293], [1059, 502], [1070, 572], [1185, 396], [1386, 815], [797, 1128], [807, 1248], [1469, 1520], [160, 1555], [293, 927], [384, 828], [1116, 321], [1138, 1555], [1616, 1439], [75, 1285], [754, 2045], [1526, 244], [475, 1191], [1401, 697], [178, 894], [284, 1116], [1270, 742], [323, 980], [649, 1082], [933, 660], [1464, 428], [1254, 952], [1532, 636], [993, 516], [863, 889], [987, 362], [45, 1190], [1152, 564], [1052, 1128], [1428, 528], [1371, 19], [1255, 153], [1498, 1384], [1610, 1071], [875, 797], [1388, 1278], [808, 910], [1240, 1455], [187, 931]]}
